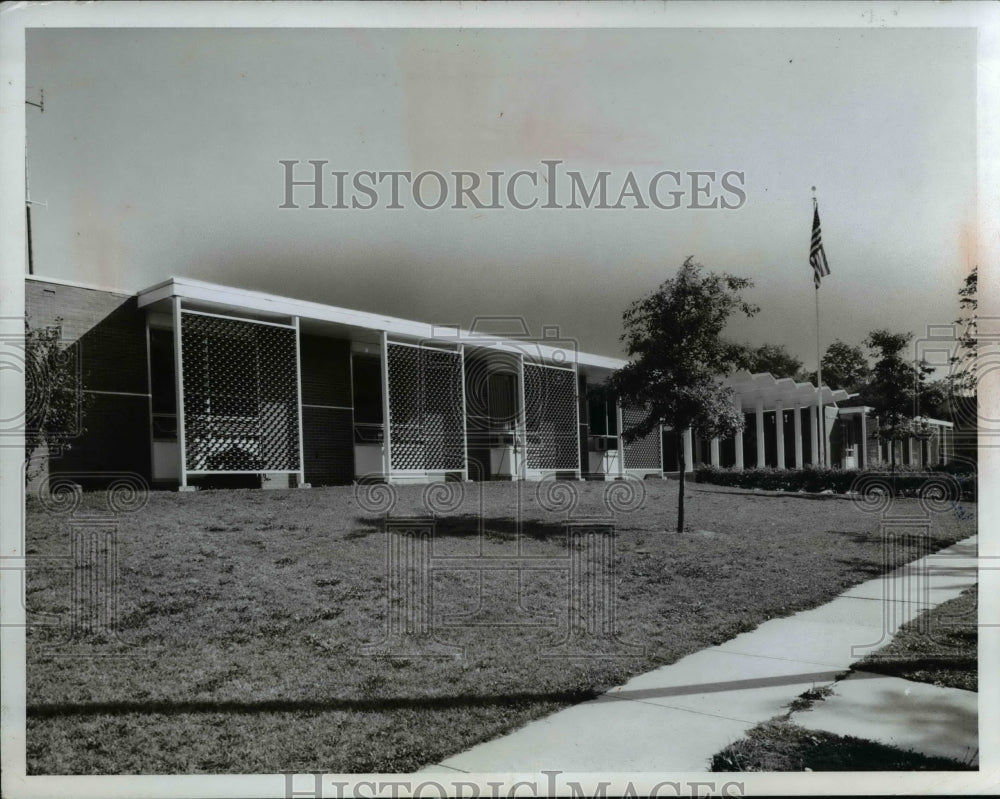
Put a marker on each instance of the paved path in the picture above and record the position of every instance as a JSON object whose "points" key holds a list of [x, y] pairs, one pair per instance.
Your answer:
{"points": [[677, 717], [926, 718]]}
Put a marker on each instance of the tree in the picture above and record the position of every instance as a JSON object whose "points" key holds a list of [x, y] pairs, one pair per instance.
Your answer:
{"points": [[773, 358], [676, 352], [895, 389], [963, 374], [937, 399], [844, 366], [53, 400]]}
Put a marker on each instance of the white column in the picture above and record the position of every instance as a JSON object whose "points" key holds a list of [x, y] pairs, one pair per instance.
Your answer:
{"points": [[521, 427], [688, 451], [576, 415], [798, 436], [713, 451], [386, 437], [301, 477], [759, 416], [465, 418], [814, 455], [621, 441], [739, 450], [863, 446], [659, 432], [779, 427], [179, 389]]}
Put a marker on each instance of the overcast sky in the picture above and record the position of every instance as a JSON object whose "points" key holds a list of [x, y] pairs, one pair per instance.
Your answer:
{"points": [[158, 154]]}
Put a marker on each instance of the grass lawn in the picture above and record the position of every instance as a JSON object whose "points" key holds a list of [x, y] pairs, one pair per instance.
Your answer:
{"points": [[242, 616], [940, 647], [779, 745]]}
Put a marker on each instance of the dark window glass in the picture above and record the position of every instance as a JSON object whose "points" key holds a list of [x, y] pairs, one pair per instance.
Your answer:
{"points": [[367, 389], [161, 367]]}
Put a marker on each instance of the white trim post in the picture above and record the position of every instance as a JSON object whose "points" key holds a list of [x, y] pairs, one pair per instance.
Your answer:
{"points": [[576, 414], [824, 436], [779, 429], [759, 419], [688, 450], [814, 457], [465, 418], [863, 446], [713, 451], [798, 435], [179, 389], [621, 441], [386, 437], [521, 427], [301, 474], [149, 404], [659, 429], [738, 444]]}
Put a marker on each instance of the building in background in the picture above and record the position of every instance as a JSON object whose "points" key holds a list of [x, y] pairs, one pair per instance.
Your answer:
{"points": [[782, 431]]}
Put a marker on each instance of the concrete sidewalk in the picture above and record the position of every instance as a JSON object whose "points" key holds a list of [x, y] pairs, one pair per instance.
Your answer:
{"points": [[677, 717]]}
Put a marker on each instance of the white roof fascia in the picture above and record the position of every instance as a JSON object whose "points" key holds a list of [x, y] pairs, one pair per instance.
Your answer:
{"points": [[188, 288], [935, 422]]}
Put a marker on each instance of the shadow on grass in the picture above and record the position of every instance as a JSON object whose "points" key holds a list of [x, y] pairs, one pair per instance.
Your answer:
{"points": [[503, 528], [766, 493], [865, 568], [903, 666], [381, 704], [856, 536], [372, 705]]}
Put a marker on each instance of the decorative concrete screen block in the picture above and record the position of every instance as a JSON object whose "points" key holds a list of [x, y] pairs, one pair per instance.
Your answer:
{"points": [[241, 411], [426, 425], [550, 418], [643, 453]]}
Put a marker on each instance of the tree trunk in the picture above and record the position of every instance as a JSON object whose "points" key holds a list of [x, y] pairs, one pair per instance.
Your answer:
{"points": [[683, 467]]}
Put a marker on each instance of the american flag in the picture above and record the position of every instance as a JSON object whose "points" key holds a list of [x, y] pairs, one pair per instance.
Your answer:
{"points": [[816, 255]]}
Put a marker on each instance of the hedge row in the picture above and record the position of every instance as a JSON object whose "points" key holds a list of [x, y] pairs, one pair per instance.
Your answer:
{"points": [[907, 481]]}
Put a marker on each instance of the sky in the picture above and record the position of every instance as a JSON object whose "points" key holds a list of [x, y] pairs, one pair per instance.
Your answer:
{"points": [[158, 154]]}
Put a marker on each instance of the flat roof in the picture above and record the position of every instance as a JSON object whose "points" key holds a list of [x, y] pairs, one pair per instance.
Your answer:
{"points": [[551, 348]]}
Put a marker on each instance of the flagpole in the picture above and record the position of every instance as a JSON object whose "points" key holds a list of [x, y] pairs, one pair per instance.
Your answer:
{"points": [[819, 392], [821, 433]]}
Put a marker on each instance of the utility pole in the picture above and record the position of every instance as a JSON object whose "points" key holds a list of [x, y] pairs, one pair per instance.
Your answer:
{"points": [[28, 202]]}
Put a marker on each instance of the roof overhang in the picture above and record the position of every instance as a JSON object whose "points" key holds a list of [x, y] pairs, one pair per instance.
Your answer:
{"points": [[769, 391], [362, 325]]}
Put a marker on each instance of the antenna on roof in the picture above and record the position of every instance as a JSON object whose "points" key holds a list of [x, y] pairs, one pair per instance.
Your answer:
{"points": [[28, 202], [40, 105]]}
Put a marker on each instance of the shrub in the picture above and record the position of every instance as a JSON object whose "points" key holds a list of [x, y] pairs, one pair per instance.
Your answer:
{"points": [[908, 481]]}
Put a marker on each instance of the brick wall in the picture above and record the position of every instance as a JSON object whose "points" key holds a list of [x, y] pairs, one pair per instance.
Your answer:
{"points": [[107, 331]]}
